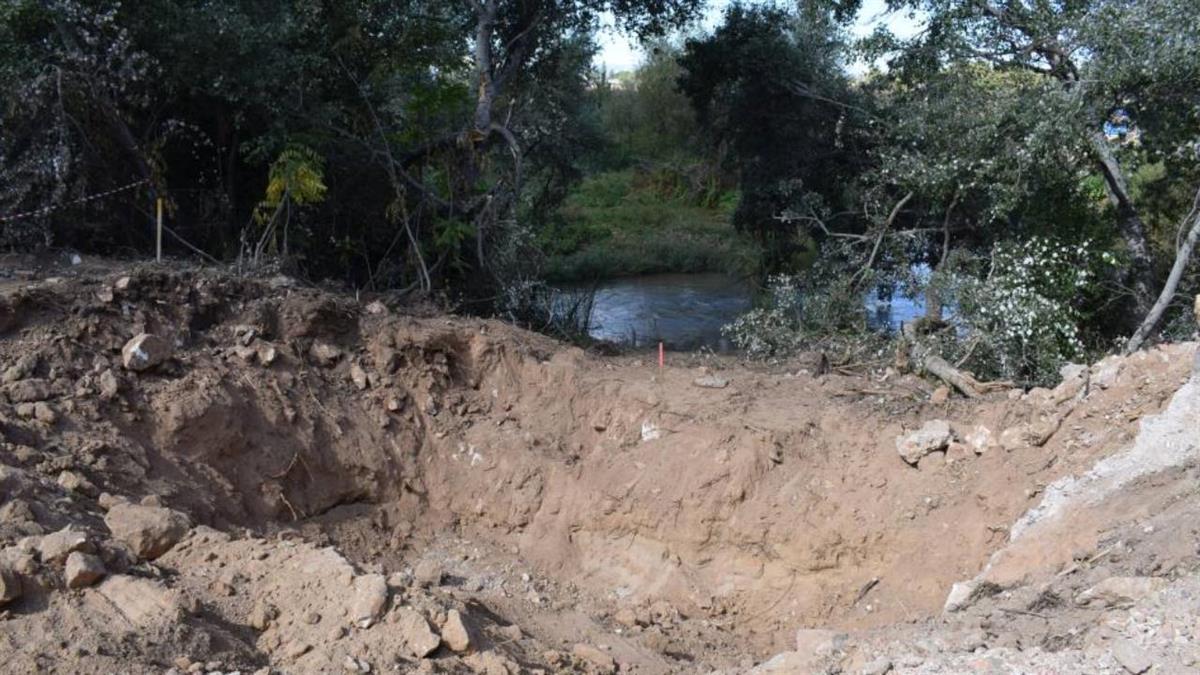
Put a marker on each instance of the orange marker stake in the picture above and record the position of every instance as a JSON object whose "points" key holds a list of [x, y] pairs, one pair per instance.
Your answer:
{"points": [[662, 360]]}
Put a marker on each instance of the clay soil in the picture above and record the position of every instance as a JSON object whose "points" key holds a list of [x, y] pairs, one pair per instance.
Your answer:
{"points": [[372, 488]]}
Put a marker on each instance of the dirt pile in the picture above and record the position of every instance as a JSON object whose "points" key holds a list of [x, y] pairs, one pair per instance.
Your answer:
{"points": [[208, 474]]}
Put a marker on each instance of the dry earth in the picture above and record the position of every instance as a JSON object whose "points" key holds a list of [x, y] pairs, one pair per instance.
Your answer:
{"points": [[200, 473]]}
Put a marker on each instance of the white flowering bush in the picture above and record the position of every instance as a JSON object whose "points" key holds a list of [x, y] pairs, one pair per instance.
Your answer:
{"points": [[774, 328], [1023, 319], [821, 309]]}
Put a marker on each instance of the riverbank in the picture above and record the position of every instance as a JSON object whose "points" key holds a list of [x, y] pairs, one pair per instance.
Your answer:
{"points": [[612, 225], [205, 471]]}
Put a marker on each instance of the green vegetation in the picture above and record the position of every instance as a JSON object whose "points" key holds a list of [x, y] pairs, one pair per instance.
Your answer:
{"points": [[470, 150], [619, 223]]}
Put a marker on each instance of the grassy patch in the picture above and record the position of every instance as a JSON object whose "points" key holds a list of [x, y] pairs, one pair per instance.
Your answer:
{"points": [[612, 226]]}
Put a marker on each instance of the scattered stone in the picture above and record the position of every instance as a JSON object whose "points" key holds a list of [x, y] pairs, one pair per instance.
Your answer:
{"points": [[711, 382], [428, 573], [1131, 657], [324, 354], [880, 666], [1104, 374], [819, 643], [43, 413], [83, 569], [10, 584], [415, 632], [110, 386], [107, 501], [22, 369], [28, 391], [262, 615], [145, 602], [626, 617], [455, 633], [149, 530], [266, 353], [370, 599], [54, 548], [980, 439], [600, 661], [1015, 438], [74, 482], [376, 308], [145, 351], [151, 500], [295, 650], [1074, 383], [17, 511], [492, 663], [1120, 591], [359, 377], [961, 595], [932, 437]]}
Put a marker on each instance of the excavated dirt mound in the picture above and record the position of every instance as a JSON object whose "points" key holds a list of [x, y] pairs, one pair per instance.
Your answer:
{"points": [[210, 474]]}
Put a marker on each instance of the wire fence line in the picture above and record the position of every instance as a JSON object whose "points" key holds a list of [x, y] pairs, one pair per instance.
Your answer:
{"points": [[46, 210]]}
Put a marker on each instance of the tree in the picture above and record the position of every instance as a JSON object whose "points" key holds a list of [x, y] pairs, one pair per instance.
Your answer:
{"points": [[1094, 56], [769, 84]]}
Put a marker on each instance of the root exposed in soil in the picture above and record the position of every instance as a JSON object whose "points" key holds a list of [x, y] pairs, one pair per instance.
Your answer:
{"points": [[301, 482]]}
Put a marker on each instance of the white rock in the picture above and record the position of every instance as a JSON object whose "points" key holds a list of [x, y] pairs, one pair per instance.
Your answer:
{"points": [[933, 436], [145, 351], [711, 382], [960, 596], [980, 439]]}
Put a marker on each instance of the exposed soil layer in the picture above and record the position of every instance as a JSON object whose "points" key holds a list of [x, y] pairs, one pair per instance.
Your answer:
{"points": [[288, 479]]}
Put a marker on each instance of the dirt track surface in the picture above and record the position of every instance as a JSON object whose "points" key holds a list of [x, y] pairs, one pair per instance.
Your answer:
{"points": [[282, 479]]}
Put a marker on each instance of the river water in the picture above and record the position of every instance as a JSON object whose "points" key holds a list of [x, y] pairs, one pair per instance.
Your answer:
{"points": [[687, 311]]}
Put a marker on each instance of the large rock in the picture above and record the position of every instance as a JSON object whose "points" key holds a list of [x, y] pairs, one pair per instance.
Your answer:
{"points": [[1120, 591], [600, 661], [142, 603], [54, 548], [145, 351], [1074, 383], [1132, 658], [324, 354], [963, 594], [149, 530], [416, 634], [455, 633], [370, 599], [932, 437], [819, 643], [28, 391], [83, 569]]}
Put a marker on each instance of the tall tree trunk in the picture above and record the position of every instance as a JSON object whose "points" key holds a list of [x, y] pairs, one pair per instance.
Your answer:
{"points": [[1182, 255], [485, 25], [1129, 224], [933, 296]]}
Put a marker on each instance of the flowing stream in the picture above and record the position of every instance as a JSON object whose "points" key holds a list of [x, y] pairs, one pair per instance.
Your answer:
{"points": [[687, 311]]}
